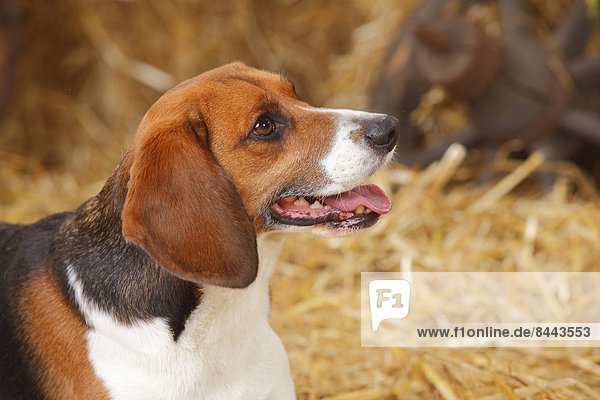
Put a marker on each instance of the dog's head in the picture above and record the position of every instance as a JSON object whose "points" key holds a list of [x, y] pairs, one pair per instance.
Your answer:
{"points": [[234, 152]]}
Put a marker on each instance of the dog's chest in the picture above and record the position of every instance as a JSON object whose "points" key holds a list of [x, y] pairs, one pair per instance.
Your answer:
{"points": [[227, 349]]}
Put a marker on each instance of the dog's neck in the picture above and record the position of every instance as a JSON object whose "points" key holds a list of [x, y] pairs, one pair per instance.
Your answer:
{"points": [[143, 319], [122, 278]]}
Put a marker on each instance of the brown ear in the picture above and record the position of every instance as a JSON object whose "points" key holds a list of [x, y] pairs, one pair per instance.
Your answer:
{"points": [[183, 210]]}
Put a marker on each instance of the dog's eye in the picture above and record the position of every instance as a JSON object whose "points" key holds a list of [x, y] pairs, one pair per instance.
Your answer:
{"points": [[264, 126]]}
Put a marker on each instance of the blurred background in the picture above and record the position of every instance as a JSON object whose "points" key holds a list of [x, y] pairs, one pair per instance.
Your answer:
{"points": [[516, 83]]}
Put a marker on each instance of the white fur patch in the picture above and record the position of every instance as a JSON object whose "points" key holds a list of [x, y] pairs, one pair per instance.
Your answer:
{"points": [[348, 164], [226, 351]]}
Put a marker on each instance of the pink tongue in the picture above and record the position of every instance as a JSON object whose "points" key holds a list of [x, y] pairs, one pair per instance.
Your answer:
{"points": [[370, 196]]}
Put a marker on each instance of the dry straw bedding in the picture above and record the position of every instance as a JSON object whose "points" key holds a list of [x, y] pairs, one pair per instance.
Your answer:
{"points": [[440, 225], [89, 69]]}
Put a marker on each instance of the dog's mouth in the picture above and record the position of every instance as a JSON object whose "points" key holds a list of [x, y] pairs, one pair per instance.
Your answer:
{"points": [[356, 209]]}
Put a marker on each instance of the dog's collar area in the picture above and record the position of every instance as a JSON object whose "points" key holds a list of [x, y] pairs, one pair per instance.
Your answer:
{"points": [[356, 208]]}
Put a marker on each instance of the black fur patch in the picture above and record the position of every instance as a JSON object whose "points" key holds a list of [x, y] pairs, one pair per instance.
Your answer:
{"points": [[118, 276]]}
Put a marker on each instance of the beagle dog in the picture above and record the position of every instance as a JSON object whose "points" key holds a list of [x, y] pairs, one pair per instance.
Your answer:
{"points": [[158, 287]]}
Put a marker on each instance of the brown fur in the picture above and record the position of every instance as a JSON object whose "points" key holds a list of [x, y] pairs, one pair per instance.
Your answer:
{"points": [[183, 210], [56, 338]]}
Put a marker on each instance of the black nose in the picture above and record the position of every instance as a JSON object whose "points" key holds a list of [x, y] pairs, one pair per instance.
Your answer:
{"points": [[381, 132]]}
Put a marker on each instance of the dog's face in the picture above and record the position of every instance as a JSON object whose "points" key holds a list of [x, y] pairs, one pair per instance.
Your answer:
{"points": [[237, 152]]}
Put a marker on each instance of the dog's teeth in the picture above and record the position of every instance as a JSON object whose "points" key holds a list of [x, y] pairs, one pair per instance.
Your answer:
{"points": [[316, 204], [327, 207], [289, 199], [360, 209], [368, 210], [301, 202]]}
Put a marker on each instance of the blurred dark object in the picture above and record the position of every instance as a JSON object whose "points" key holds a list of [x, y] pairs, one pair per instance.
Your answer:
{"points": [[516, 87], [8, 50]]}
